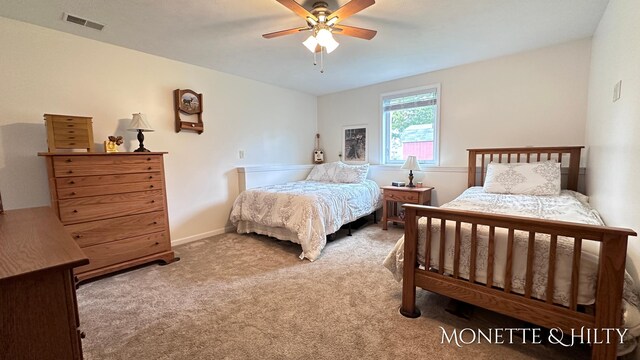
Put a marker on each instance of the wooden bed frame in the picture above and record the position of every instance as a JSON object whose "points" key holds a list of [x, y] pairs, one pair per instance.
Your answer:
{"points": [[611, 265]]}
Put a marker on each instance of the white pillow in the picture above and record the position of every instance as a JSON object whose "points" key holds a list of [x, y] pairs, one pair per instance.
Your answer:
{"points": [[351, 173], [541, 178], [324, 172]]}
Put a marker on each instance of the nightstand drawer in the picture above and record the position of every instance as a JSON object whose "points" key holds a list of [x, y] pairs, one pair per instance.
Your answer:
{"points": [[402, 196]]}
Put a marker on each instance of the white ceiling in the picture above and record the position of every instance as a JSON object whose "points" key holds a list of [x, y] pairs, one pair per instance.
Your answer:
{"points": [[414, 36]]}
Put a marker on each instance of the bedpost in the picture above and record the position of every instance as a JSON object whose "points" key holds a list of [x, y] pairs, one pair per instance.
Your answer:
{"points": [[611, 270], [471, 171], [408, 307], [574, 168]]}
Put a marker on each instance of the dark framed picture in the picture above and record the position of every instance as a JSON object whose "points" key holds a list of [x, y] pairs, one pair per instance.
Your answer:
{"points": [[354, 144], [190, 102]]}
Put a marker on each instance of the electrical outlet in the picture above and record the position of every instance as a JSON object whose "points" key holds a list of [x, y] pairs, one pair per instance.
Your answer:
{"points": [[617, 90], [241, 154]]}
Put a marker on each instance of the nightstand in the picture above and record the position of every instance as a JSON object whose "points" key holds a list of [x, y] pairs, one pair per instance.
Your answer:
{"points": [[392, 195]]}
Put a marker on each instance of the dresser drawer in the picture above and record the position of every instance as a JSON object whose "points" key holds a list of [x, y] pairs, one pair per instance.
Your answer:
{"points": [[105, 165], [72, 137], [66, 125], [402, 196], [68, 119], [83, 191], [110, 206], [101, 180], [116, 252], [102, 231], [72, 144]]}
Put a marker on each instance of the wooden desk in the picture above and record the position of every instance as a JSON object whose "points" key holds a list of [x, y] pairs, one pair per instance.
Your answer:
{"points": [[395, 194], [38, 310]]}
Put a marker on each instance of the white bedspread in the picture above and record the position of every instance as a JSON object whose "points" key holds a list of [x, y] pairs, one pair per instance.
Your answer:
{"points": [[568, 206], [309, 209]]}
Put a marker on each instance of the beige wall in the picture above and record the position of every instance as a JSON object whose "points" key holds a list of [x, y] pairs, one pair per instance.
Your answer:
{"points": [[45, 71], [613, 128], [532, 98]]}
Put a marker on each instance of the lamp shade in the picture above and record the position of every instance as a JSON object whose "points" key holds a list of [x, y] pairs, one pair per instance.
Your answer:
{"points": [[324, 37], [139, 122], [411, 164], [311, 43]]}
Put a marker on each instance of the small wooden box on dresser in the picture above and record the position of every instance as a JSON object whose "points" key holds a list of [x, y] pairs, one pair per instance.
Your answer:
{"points": [[114, 206]]}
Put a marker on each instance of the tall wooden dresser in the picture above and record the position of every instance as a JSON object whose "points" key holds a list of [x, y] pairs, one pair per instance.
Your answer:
{"points": [[38, 309], [114, 206]]}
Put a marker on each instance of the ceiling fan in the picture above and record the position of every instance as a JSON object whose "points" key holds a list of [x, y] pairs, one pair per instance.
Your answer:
{"points": [[323, 23]]}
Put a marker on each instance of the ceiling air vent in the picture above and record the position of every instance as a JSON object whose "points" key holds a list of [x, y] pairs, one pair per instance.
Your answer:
{"points": [[83, 22]]}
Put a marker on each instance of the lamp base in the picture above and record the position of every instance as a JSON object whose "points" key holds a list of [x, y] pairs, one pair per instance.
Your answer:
{"points": [[141, 140], [411, 179]]}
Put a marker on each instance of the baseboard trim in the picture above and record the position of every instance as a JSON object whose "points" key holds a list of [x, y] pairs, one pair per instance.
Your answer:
{"points": [[204, 235]]}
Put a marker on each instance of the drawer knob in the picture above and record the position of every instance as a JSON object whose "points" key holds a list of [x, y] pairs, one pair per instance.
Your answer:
{"points": [[68, 160], [71, 132], [151, 186], [70, 125], [153, 201], [73, 193], [155, 223], [157, 243], [72, 182], [149, 168], [75, 211], [72, 137], [78, 236], [70, 172], [150, 177], [72, 143], [148, 159]]}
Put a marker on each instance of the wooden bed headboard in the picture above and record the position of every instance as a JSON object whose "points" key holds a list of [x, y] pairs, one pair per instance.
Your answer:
{"points": [[525, 154]]}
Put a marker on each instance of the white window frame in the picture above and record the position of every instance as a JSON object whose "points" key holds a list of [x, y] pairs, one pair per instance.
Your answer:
{"points": [[385, 126]]}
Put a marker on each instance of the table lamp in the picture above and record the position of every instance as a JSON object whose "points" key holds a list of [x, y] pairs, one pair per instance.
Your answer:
{"points": [[411, 164], [139, 123]]}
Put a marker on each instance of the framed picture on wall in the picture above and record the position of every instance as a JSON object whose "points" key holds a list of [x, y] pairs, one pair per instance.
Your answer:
{"points": [[354, 144]]}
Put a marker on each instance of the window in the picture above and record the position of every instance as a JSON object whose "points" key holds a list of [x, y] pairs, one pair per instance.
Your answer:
{"points": [[410, 125]]}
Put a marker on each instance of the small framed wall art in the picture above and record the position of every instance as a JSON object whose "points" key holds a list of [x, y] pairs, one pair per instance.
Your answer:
{"points": [[188, 103], [354, 144]]}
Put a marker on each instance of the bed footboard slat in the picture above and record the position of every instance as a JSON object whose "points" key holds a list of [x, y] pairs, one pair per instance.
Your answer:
{"points": [[530, 256], [575, 273], [443, 235], [456, 255], [427, 250], [508, 270], [490, 255], [551, 274], [474, 250]]}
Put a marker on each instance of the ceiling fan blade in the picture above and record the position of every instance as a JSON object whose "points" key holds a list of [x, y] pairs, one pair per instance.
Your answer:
{"points": [[284, 32], [354, 31], [350, 8], [298, 9]]}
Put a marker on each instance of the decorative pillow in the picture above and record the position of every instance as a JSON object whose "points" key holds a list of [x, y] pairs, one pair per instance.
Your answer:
{"points": [[351, 173], [541, 178], [324, 172]]}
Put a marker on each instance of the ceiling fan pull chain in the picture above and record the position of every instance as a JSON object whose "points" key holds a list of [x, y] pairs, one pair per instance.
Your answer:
{"points": [[321, 60], [315, 59]]}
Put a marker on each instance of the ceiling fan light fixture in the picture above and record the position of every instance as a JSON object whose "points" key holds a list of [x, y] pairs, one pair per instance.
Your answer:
{"points": [[331, 45], [324, 37], [311, 43], [312, 21], [322, 18], [332, 21]]}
